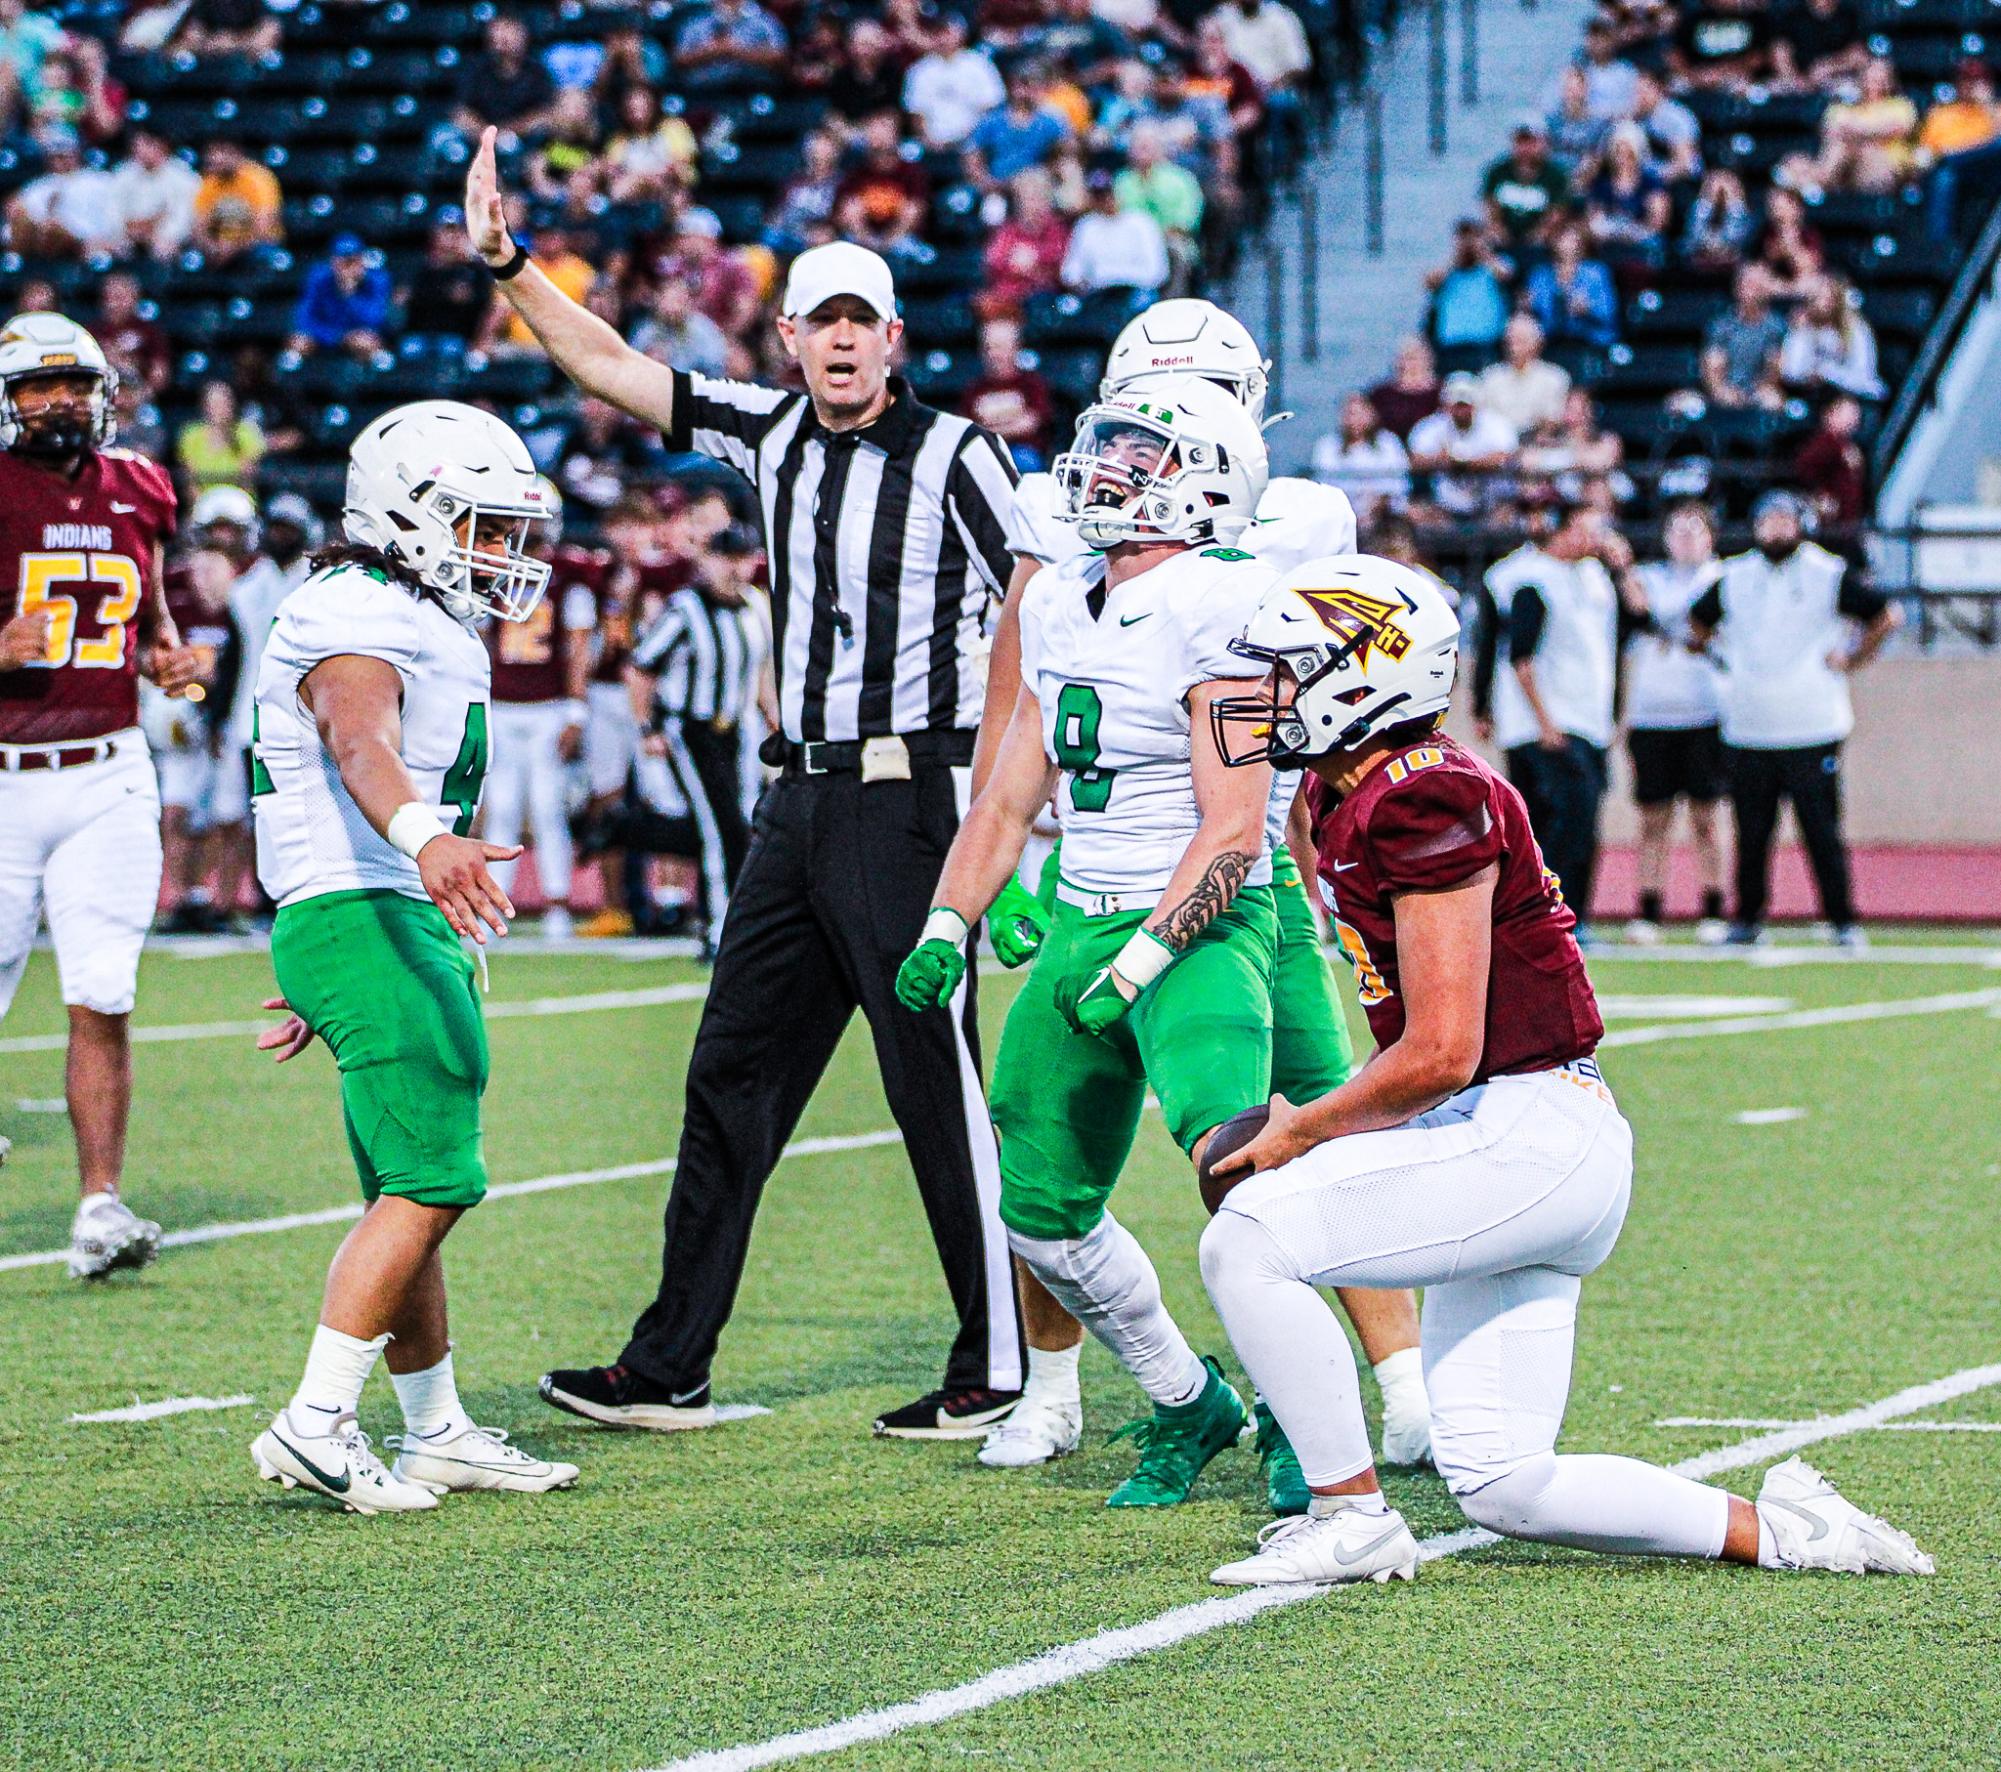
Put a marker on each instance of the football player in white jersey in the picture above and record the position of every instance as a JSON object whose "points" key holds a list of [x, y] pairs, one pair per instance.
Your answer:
{"points": [[371, 746], [1157, 971], [1295, 521]]}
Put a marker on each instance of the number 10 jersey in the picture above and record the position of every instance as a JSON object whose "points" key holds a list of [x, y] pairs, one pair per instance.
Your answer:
{"points": [[1112, 668], [311, 836]]}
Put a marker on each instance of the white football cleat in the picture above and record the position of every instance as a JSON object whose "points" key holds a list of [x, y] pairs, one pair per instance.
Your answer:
{"points": [[1039, 1430], [1711, 932], [1814, 1526], [475, 1458], [1346, 1545], [107, 1234], [1643, 933], [340, 1465]]}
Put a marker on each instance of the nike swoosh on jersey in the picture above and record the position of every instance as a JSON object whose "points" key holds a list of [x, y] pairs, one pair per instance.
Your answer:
{"points": [[339, 1485], [123, 510], [1341, 867], [1126, 621]]}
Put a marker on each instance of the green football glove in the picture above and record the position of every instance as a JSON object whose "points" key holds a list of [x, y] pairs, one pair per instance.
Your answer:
{"points": [[1113, 989], [931, 971], [1016, 923]]}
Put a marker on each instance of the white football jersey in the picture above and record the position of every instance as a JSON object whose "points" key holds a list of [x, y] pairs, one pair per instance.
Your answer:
{"points": [[1296, 521], [311, 836], [1112, 670]]}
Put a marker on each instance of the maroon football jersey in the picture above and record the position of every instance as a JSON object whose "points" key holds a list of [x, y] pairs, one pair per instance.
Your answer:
{"points": [[655, 578], [528, 655], [83, 549], [1430, 817]]}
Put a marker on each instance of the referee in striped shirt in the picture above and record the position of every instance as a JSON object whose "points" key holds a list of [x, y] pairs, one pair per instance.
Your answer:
{"points": [[884, 526]]}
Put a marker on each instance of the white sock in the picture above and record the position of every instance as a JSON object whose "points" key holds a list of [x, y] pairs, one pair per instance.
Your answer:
{"points": [[1372, 1502], [1401, 1376], [337, 1366], [430, 1400], [1052, 1375], [1768, 1546]]}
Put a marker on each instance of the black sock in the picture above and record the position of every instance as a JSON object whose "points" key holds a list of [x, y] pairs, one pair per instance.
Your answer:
{"points": [[1712, 906], [1650, 907]]}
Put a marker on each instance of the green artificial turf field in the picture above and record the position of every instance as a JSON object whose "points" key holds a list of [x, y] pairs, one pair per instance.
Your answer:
{"points": [[708, 1591]]}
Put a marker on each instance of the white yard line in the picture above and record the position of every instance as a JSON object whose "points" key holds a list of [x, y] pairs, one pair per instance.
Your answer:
{"points": [[1890, 1009], [169, 1406], [1628, 1006], [539, 1184], [587, 1003], [1775, 1116], [54, 1104], [1886, 1427], [1073, 1661]]}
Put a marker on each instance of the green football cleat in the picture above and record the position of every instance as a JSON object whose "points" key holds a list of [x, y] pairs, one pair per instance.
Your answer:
{"points": [[1175, 1445], [1285, 1482]]}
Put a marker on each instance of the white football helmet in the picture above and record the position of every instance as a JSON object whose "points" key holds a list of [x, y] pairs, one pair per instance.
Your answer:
{"points": [[420, 481], [1180, 461], [1187, 336], [1354, 644], [48, 344], [226, 504]]}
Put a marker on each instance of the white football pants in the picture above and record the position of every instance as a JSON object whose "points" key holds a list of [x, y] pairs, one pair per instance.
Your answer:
{"points": [[1495, 1203], [526, 773], [85, 844]]}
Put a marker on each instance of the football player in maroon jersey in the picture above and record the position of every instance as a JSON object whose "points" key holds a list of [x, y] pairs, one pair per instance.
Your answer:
{"points": [[1479, 1154], [83, 613]]}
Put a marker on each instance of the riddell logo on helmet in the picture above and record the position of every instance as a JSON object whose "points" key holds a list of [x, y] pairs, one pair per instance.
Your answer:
{"points": [[1160, 362]]}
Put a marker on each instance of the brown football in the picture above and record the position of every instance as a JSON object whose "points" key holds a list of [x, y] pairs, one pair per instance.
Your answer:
{"points": [[1234, 1133]]}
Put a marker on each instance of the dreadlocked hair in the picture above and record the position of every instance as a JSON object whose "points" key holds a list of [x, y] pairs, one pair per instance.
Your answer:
{"points": [[370, 559]]}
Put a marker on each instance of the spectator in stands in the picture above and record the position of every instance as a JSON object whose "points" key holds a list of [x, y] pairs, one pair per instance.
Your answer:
{"points": [[450, 292], [1672, 136], [1572, 295], [951, 87], [1720, 223], [729, 46], [1366, 460], [1525, 388], [725, 288], [139, 426], [1024, 255], [71, 211], [1524, 192], [1218, 78], [1169, 193], [503, 85], [1464, 450], [1820, 46], [27, 41], [1023, 132], [227, 27], [1011, 401], [564, 266], [804, 213], [1412, 390], [1111, 248], [867, 79], [679, 334], [156, 196], [78, 91], [1960, 136], [1790, 250], [1740, 350], [1578, 456], [37, 296], [1469, 302], [912, 26], [1829, 347], [884, 223], [220, 446], [884, 194], [1869, 145], [1576, 134], [271, 402], [563, 166], [1722, 44], [1627, 208], [1831, 468], [346, 303], [603, 457], [238, 205], [1267, 38], [1611, 83], [137, 347], [632, 59]]}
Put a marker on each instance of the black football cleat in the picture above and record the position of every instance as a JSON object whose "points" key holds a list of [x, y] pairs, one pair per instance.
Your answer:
{"points": [[617, 1396]]}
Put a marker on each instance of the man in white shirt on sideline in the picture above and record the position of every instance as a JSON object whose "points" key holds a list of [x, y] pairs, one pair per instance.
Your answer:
{"points": [[1480, 445], [1114, 248], [1524, 388], [952, 88], [1779, 622]]}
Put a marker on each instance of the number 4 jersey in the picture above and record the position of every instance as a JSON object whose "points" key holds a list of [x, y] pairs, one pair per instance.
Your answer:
{"points": [[311, 836], [1112, 667], [82, 548]]}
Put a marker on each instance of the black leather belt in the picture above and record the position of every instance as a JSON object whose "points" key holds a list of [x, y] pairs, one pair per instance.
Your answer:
{"points": [[953, 748]]}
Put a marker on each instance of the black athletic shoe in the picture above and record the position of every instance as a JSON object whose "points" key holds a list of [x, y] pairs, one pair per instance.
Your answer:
{"points": [[617, 1396], [948, 1415]]}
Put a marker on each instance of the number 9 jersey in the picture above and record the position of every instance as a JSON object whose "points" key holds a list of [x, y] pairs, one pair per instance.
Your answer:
{"points": [[83, 549], [311, 836]]}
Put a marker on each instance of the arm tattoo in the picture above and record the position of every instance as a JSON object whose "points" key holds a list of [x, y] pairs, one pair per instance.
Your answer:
{"points": [[1208, 900]]}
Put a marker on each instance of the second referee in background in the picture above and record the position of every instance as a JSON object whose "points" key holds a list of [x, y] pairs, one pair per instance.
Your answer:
{"points": [[885, 525]]}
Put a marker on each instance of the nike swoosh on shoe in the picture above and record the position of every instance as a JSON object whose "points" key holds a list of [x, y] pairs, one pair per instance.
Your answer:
{"points": [[1369, 1549], [1818, 1528], [339, 1485]]}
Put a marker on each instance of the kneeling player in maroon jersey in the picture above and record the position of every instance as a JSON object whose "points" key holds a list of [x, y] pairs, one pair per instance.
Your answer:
{"points": [[1479, 1154], [81, 532]]}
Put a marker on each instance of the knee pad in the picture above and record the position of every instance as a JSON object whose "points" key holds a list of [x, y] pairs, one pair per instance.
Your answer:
{"points": [[1079, 1266], [1510, 1503], [1236, 1244]]}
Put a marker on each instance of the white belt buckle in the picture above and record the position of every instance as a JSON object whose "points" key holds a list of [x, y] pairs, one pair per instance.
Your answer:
{"points": [[1103, 904], [885, 759]]}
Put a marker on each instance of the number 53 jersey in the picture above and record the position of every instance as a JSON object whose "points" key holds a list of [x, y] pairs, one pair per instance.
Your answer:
{"points": [[311, 836], [1113, 667]]}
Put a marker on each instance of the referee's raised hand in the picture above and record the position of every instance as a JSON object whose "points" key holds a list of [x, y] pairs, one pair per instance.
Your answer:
{"points": [[486, 210]]}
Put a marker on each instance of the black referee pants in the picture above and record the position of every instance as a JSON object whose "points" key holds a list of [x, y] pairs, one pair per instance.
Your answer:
{"points": [[1810, 777], [1563, 791], [833, 895], [707, 766]]}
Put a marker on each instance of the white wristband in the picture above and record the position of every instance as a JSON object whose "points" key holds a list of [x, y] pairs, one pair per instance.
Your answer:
{"points": [[1143, 959], [412, 826], [945, 924]]}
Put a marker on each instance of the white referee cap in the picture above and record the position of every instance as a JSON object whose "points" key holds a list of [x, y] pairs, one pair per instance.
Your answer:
{"points": [[840, 268]]}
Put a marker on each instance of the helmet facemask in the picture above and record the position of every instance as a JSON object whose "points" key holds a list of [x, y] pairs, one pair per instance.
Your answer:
{"points": [[487, 569], [59, 432], [1119, 478], [1270, 728]]}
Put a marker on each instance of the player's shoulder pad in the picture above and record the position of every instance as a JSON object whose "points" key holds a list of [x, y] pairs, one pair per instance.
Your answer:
{"points": [[350, 600], [144, 472], [1431, 823]]}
